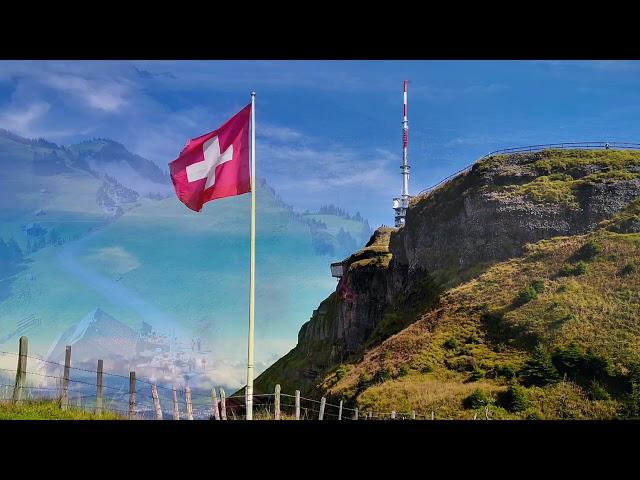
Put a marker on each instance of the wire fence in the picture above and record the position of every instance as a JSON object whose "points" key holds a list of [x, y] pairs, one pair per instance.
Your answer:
{"points": [[532, 149], [127, 397]]}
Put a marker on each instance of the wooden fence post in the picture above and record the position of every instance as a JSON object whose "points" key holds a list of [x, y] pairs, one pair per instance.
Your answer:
{"points": [[340, 411], [187, 395], [369, 414], [297, 404], [321, 414], [276, 407], [176, 410], [64, 402], [393, 414], [355, 414], [214, 402], [99, 387], [413, 415], [432, 415], [132, 395], [156, 402], [223, 405], [21, 371]]}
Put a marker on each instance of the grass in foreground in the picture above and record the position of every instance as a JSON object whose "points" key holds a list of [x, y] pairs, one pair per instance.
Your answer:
{"points": [[47, 410]]}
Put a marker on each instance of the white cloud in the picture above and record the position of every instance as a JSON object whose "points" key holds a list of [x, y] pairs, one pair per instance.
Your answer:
{"points": [[106, 96], [21, 120], [278, 133]]}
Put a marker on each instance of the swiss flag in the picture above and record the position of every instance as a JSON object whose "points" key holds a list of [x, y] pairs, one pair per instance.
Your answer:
{"points": [[214, 165]]}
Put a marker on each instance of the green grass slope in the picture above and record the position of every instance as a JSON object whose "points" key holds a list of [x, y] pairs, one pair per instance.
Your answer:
{"points": [[553, 334]]}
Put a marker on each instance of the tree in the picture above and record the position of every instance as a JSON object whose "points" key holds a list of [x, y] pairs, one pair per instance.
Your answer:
{"points": [[539, 369]]}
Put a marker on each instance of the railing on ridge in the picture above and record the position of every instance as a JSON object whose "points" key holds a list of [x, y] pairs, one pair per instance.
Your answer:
{"points": [[537, 148]]}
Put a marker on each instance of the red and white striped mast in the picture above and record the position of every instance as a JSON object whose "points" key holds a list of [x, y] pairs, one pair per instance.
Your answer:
{"points": [[400, 204]]}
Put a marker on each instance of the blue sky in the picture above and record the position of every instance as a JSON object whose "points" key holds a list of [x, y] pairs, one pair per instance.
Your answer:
{"points": [[328, 131]]}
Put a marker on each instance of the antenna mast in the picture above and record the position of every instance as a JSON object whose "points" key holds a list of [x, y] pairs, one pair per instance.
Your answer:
{"points": [[400, 204]]}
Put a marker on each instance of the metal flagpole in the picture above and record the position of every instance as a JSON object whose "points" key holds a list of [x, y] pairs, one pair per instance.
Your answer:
{"points": [[252, 277]]}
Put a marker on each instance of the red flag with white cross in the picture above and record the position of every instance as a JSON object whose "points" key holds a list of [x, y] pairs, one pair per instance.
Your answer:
{"points": [[214, 165]]}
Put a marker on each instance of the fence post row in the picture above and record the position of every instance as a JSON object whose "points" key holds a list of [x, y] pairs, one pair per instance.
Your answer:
{"points": [[99, 384], [21, 371], [223, 404], [214, 402], [132, 395], [276, 407], [219, 406], [176, 410], [187, 394], [64, 403], [156, 402]]}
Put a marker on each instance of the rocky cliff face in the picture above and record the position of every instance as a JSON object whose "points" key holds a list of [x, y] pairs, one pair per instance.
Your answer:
{"points": [[503, 203], [483, 216]]}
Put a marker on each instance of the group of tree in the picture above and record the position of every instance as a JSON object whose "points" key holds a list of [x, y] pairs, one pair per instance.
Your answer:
{"points": [[11, 255], [337, 211], [39, 237]]}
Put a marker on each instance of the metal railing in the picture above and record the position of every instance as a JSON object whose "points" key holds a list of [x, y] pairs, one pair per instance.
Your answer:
{"points": [[538, 148]]}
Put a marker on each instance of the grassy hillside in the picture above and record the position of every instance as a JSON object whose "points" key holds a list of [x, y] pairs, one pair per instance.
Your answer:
{"points": [[485, 314], [553, 334]]}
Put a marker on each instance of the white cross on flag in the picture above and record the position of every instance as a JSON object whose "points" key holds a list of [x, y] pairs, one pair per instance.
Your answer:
{"points": [[214, 165]]}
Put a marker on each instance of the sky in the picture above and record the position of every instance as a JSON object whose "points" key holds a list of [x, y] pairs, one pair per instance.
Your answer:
{"points": [[328, 131]]}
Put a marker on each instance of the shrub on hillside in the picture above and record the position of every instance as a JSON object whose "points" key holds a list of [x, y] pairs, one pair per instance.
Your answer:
{"points": [[539, 369], [588, 251], [538, 285], [632, 401], [472, 339], [404, 371], [598, 392], [477, 399], [477, 374], [530, 292], [364, 382], [525, 296], [341, 372], [515, 399], [451, 343], [381, 375], [629, 269], [505, 371], [580, 365], [579, 268]]}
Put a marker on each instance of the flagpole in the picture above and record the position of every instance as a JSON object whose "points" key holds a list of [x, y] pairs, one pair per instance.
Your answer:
{"points": [[252, 277]]}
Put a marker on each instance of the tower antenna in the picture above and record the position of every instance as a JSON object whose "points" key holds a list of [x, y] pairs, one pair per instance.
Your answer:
{"points": [[400, 204]]}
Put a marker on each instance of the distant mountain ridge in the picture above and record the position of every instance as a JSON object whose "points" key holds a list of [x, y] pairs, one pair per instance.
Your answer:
{"points": [[88, 236], [100, 152]]}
